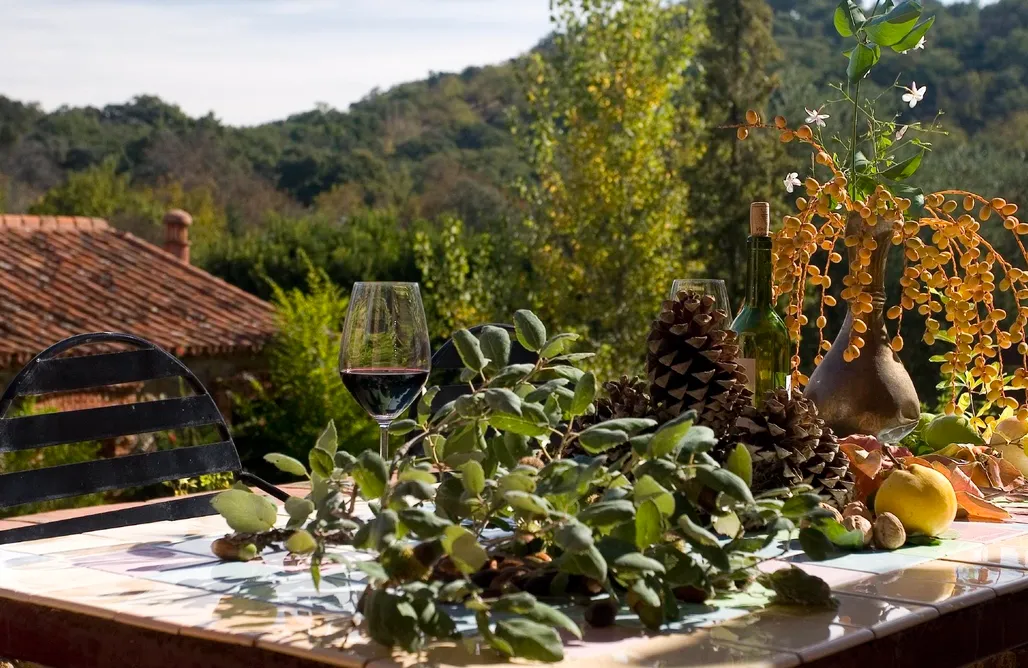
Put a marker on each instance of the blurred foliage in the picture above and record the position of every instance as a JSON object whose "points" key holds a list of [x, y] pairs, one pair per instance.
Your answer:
{"points": [[608, 129], [303, 389]]}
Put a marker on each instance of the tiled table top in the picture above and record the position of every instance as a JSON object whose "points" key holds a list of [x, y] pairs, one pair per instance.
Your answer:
{"points": [[162, 577]]}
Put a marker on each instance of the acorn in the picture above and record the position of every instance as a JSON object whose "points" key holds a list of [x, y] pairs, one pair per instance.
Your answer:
{"points": [[227, 549], [601, 614]]}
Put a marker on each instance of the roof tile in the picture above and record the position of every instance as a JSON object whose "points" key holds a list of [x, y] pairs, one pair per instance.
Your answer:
{"points": [[65, 275]]}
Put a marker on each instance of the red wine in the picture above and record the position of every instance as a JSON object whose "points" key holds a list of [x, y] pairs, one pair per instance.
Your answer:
{"points": [[384, 393]]}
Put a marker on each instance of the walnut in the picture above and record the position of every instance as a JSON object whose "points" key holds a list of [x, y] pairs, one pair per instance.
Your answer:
{"points": [[889, 533], [858, 523], [860, 509]]}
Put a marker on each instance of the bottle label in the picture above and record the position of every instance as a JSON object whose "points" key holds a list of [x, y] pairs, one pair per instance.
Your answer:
{"points": [[749, 367]]}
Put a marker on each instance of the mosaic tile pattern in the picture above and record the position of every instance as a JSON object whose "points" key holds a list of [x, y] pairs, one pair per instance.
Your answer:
{"points": [[163, 577]]}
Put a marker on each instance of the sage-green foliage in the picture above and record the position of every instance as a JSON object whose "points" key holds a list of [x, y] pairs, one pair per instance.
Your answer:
{"points": [[646, 513]]}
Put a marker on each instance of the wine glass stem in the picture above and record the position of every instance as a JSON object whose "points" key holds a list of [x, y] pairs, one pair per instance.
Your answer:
{"points": [[383, 442]]}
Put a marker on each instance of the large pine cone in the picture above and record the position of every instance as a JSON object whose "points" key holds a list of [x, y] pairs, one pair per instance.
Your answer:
{"points": [[790, 445], [691, 361]]}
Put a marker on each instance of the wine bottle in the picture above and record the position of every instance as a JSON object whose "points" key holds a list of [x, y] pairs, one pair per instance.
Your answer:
{"points": [[763, 338]]}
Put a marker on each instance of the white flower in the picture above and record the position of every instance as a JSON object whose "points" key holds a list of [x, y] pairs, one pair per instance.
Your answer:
{"points": [[919, 45], [902, 131], [816, 117], [914, 94], [791, 181]]}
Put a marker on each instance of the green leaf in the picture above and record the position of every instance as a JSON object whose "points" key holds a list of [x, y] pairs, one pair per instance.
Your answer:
{"points": [[245, 512], [697, 440], [370, 475], [530, 330], [299, 510], [800, 505], [596, 441], [420, 475], [286, 463], [862, 59], [463, 549], [647, 489], [468, 438], [510, 375], [502, 400], [532, 422], [839, 535], [914, 36], [301, 542], [722, 480], [402, 427], [422, 523], [670, 434], [905, 169], [495, 344], [425, 404], [574, 537], [528, 503], [645, 593], [637, 563], [890, 28], [473, 478], [329, 439], [589, 563], [848, 18], [916, 210], [585, 392], [321, 462], [373, 569], [794, 586], [516, 482], [740, 463], [531, 640], [470, 350], [727, 524], [628, 425], [607, 513], [815, 544], [649, 525], [695, 534], [556, 345]]}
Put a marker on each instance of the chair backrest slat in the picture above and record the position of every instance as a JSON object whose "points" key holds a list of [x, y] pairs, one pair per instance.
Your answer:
{"points": [[94, 424], [65, 374], [101, 475]]}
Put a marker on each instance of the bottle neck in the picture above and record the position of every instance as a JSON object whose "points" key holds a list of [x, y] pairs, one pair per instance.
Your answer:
{"points": [[758, 272]]}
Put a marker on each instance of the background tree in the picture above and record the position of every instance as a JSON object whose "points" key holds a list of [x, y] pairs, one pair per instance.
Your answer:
{"points": [[737, 74], [606, 137]]}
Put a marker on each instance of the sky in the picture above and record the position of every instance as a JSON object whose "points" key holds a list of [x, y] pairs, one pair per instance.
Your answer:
{"points": [[249, 61]]}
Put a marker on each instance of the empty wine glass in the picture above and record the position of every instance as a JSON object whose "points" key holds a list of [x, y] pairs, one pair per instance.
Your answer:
{"points": [[385, 356], [705, 286]]}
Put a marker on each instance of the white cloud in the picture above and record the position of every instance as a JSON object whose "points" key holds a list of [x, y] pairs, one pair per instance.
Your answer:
{"points": [[249, 61]]}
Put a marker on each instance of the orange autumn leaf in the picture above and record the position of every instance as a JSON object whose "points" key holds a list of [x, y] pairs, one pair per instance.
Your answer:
{"points": [[868, 463], [1010, 475], [980, 510], [957, 478], [907, 461]]}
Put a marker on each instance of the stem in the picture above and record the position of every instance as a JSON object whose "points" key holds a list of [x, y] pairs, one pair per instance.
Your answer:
{"points": [[853, 143], [383, 441]]}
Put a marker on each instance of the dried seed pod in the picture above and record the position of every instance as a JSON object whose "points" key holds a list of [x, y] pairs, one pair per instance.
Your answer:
{"points": [[861, 524], [889, 533]]}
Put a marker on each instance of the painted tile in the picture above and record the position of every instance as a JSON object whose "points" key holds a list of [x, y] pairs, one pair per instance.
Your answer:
{"points": [[329, 639], [1001, 580], [988, 532], [882, 617], [140, 559], [937, 586], [944, 548], [64, 544], [810, 638], [1009, 553], [867, 562], [221, 578], [833, 576], [131, 596], [200, 546], [19, 560], [165, 531], [44, 580]]}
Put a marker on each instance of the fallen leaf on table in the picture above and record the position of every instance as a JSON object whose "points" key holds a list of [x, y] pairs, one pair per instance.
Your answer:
{"points": [[957, 478], [980, 510]]}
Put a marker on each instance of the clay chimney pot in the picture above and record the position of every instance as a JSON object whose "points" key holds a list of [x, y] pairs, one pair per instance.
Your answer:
{"points": [[176, 233]]}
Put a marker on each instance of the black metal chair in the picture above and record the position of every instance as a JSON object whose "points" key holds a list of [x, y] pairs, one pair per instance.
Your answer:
{"points": [[49, 372], [447, 360]]}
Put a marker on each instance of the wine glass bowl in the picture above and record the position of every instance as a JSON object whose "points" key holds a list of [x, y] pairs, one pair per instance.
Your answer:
{"points": [[385, 356], [705, 286]]}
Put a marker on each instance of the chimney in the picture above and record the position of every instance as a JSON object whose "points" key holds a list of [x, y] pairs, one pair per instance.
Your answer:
{"points": [[176, 233]]}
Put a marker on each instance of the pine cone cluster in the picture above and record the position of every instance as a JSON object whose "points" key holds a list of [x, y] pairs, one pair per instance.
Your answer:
{"points": [[691, 362], [622, 398], [790, 444]]}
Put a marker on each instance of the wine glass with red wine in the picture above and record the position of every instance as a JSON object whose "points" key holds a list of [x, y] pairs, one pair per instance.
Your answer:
{"points": [[385, 356]]}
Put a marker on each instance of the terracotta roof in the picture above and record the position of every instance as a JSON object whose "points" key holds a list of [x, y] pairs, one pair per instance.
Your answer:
{"points": [[64, 275]]}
